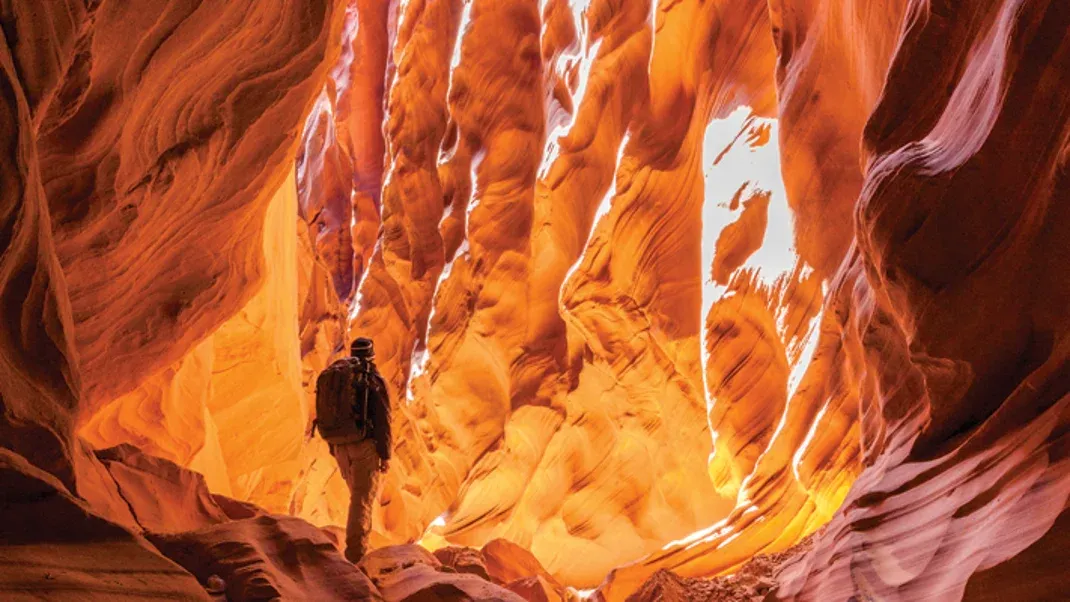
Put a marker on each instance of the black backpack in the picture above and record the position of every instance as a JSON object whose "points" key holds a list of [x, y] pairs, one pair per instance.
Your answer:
{"points": [[343, 393]]}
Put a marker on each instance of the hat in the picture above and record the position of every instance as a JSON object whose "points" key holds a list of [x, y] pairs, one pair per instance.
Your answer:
{"points": [[362, 347]]}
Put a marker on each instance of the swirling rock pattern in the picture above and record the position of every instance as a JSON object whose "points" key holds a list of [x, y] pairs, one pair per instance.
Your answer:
{"points": [[245, 382], [269, 558], [957, 475], [957, 218], [654, 285], [199, 411], [52, 545], [142, 146], [513, 284], [129, 140], [40, 379], [411, 573]]}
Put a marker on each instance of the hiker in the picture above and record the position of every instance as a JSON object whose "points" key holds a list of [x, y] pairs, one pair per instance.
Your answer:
{"points": [[353, 417]]}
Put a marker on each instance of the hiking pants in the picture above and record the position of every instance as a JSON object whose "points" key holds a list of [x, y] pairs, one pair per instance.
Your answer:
{"points": [[359, 464]]}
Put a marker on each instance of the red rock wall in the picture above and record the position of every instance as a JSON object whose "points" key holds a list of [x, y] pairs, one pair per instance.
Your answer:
{"points": [[939, 370], [40, 380], [237, 407], [138, 144], [655, 286], [956, 300], [143, 148], [132, 136]]}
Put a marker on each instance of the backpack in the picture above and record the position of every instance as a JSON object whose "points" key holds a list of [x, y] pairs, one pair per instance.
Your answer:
{"points": [[342, 395]]}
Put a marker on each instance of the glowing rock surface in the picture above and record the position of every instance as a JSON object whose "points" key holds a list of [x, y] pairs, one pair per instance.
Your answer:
{"points": [[654, 285]]}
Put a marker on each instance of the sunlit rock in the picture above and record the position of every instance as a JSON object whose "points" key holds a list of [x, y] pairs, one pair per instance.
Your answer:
{"points": [[169, 133], [572, 336], [658, 288], [902, 383], [246, 380]]}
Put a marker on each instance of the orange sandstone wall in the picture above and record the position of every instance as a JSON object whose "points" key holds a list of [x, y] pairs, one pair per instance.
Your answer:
{"points": [[537, 294], [237, 407], [158, 179], [957, 302], [654, 285], [144, 145], [939, 372]]}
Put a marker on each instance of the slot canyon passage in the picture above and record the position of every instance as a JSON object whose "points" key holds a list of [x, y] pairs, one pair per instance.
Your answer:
{"points": [[675, 300]]}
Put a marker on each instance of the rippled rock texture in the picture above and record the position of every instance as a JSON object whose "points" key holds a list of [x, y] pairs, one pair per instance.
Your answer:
{"points": [[656, 286], [537, 294], [53, 546], [142, 145], [939, 371], [181, 542]]}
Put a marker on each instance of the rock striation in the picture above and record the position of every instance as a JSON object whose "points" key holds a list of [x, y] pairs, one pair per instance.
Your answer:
{"points": [[909, 381], [516, 271], [182, 542], [657, 288], [52, 545]]}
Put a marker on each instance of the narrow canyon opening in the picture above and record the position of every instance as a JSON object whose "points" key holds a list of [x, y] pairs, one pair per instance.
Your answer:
{"points": [[676, 300]]}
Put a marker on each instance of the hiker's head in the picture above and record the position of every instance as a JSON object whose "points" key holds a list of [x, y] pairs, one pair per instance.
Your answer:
{"points": [[362, 348]]}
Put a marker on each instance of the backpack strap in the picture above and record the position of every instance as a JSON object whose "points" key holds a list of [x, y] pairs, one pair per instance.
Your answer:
{"points": [[363, 410]]}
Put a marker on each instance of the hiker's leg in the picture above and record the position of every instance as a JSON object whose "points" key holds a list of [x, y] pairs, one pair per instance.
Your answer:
{"points": [[363, 462]]}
